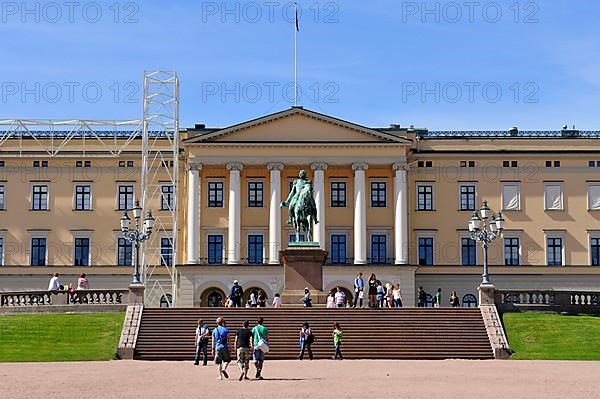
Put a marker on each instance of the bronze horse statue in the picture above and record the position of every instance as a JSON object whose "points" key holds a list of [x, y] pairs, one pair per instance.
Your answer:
{"points": [[303, 210]]}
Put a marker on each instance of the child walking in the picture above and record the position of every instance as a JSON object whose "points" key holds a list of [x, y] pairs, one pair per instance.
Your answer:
{"points": [[337, 340]]}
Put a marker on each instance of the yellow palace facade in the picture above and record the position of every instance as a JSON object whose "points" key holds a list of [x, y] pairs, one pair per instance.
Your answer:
{"points": [[393, 201]]}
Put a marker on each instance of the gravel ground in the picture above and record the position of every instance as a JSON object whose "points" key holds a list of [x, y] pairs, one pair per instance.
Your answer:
{"points": [[294, 379]]}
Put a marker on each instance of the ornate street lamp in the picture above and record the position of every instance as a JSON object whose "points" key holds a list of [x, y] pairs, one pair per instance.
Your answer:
{"points": [[138, 235], [485, 227]]}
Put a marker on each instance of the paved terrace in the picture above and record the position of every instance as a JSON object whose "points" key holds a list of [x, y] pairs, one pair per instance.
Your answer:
{"points": [[294, 379]]}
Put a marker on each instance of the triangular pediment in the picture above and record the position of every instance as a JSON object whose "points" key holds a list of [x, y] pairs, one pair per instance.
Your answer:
{"points": [[296, 125]]}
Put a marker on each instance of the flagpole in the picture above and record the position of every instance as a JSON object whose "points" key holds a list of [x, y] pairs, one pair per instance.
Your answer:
{"points": [[295, 27]]}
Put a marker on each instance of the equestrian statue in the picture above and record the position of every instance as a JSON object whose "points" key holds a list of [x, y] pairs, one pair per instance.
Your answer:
{"points": [[303, 210]]}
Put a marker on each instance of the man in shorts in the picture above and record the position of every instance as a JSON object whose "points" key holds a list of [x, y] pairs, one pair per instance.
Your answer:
{"points": [[220, 347], [244, 352], [259, 333]]}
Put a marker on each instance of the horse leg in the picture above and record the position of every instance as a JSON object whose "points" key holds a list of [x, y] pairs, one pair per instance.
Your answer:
{"points": [[309, 236]]}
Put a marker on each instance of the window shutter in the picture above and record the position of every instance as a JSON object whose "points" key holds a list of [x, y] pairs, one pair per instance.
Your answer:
{"points": [[554, 197], [594, 197], [510, 197]]}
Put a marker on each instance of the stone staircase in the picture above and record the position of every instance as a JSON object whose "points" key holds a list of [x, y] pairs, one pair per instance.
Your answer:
{"points": [[415, 333]]}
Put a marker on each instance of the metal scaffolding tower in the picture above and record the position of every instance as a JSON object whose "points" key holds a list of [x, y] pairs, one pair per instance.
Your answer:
{"points": [[160, 166]]}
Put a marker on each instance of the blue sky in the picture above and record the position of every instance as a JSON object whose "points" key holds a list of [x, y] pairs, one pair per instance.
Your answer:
{"points": [[443, 65]]}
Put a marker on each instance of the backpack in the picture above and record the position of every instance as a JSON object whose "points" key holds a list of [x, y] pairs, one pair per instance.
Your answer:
{"points": [[310, 339], [237, 291]]}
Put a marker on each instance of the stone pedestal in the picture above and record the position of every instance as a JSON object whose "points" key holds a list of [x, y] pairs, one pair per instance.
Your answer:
{"points": [[486, 294], [302, 267], [136, 294]]}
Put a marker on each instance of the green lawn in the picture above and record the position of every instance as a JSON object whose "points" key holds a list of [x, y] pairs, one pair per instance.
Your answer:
{"points": [[59, 337], [543, 336]]}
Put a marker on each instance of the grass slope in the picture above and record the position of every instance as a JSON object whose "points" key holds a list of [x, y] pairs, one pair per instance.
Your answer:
{"points": [[59, 337], [543, 336]]}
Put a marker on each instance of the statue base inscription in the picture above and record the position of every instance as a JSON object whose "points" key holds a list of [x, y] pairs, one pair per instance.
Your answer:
{"points": [[302, 268]]}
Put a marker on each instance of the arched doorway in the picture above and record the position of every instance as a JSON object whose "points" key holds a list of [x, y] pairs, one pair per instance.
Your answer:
{"points": [[166, 301], [469, 301], [212, 298]]}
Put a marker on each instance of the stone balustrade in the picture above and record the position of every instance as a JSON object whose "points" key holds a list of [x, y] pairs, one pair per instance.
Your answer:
{"points": [[82, 297], [570, 301]]}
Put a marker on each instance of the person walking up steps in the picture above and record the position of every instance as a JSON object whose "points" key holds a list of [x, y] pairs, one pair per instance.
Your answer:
{"points": [[202, 336], [337, 341], [220, 346], [306, 340], [437, 299], [260, 333], [244, 353]]}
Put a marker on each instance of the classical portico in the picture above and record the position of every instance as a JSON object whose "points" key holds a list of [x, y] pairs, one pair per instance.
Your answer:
{"points": [[239, 175]]}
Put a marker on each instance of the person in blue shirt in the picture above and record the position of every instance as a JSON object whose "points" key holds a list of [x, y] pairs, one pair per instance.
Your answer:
{"points": [[359, 288], [220, 347], [235, 295]]}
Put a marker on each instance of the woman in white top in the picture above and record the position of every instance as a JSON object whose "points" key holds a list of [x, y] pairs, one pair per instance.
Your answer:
{"points": [[277, 301], [397, 296], [253, 299], [82, 282], [330, 301]]}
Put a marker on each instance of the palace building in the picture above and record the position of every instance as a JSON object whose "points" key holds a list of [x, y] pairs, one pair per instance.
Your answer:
{"points": [[394, 201]]}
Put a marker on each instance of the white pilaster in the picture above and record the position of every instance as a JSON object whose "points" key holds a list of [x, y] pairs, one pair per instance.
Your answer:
{"points": [[360, 213], [193, 214], [319, 169], [274, 211], [400, 214], [234, 236]]}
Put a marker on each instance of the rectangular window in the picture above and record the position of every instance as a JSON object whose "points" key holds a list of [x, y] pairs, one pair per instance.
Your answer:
{"points": [[79, 164], [255, 194], [166, 198], [215, 249], [166, 252], [511, 198], [130, 164], [511, 251], [595, 251], [467, 198], [594, 197], [38, 252], [338, 249], [255, 249], [82, 252], [553, 198], [215, 194], [40, 198], [378, 249], [1, 251], [468, 252], [124, 252], [83, 198], [378, 195], [2, 197], [87, 164], [554, 247], [125, 198], [424, 197], [338, 194], [425, 251]]}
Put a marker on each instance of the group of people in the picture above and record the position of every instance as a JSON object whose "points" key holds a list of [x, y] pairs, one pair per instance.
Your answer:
{"points": [[436, 301], [250, 344], [55, 284], [256, 299], [379, 295]]}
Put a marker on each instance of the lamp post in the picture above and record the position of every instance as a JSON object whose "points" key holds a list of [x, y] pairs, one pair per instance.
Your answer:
{"points": [[138, 235], [485, 227]]}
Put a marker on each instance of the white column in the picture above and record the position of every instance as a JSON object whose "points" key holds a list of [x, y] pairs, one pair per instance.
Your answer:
{"points": [[400, 214], [193, 214], [235, 192], [319, 169], [360, 213], [274, 211]]}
